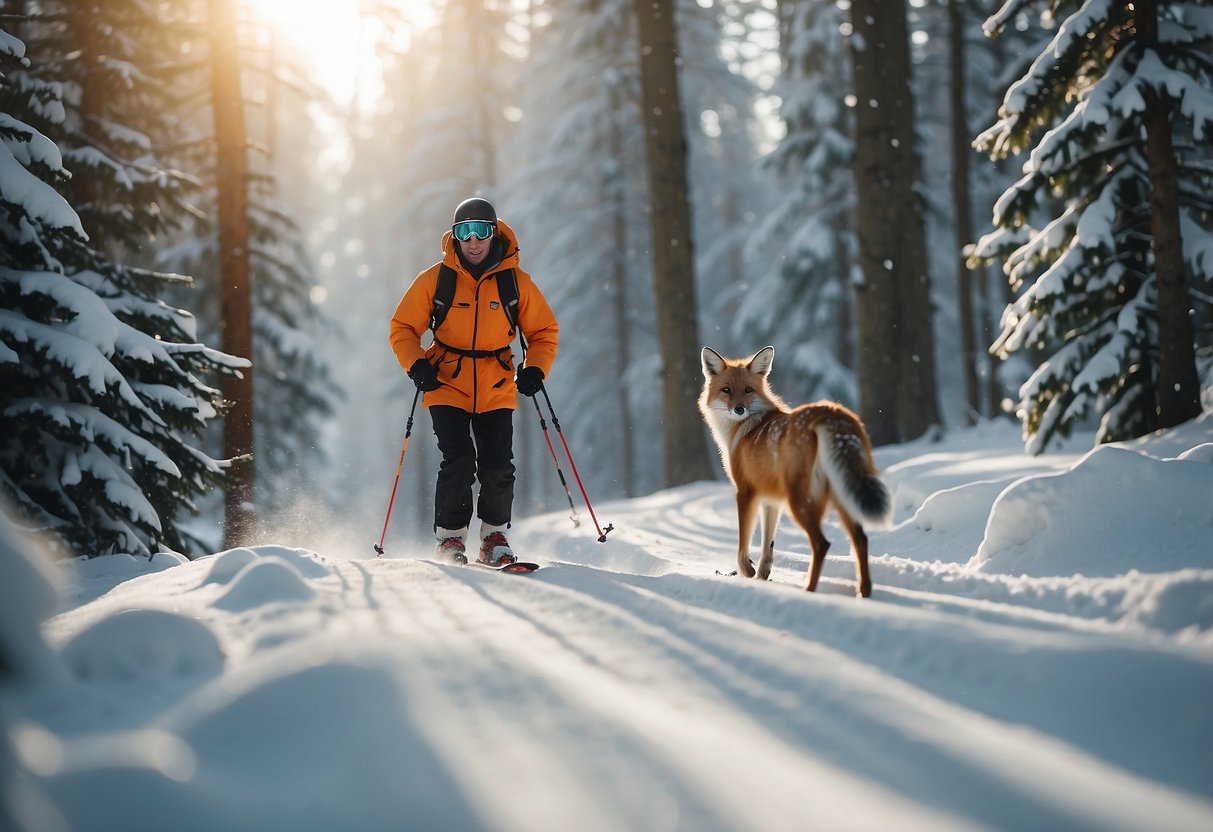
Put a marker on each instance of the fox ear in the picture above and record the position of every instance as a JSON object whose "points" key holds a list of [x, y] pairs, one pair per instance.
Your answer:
{"points": [[761, 362], [713, 364]]}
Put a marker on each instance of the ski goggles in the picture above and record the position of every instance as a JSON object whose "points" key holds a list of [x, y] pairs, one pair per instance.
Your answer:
{"points": [[466, 230]]}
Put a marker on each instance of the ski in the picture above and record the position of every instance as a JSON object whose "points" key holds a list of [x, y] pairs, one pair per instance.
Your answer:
{"points": [[516, 566]]}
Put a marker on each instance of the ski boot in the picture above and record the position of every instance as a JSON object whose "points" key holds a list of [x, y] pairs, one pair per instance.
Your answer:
{"points": [[495, 549], [451, 546]]}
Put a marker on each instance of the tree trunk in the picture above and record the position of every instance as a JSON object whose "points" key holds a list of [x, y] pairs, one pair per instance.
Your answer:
{"points": [[785, 16], [92, 108], [1178, 384], [483, 56], [613, 197], [844, 332], [962, 208], [686, 457], [271, 97], [896, 344], [996, 286], [235, 297]]}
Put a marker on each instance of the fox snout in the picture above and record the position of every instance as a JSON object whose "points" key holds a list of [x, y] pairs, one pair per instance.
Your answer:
{"points": [[737, 408]]}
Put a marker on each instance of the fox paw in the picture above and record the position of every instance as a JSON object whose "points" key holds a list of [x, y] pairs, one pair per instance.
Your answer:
{"points": [[746, 567]]}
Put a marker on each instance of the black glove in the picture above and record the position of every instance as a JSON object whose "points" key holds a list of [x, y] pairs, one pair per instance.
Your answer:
{"points": [[424, 375], [530, 379]]}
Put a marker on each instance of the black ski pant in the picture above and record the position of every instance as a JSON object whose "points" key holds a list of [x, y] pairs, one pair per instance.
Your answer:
{"points": [[473, 445]]}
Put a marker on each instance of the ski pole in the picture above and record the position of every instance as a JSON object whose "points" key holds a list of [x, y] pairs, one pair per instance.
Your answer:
{"points": [[556, 423], [546, 438], [602, 535], [408, 431]]}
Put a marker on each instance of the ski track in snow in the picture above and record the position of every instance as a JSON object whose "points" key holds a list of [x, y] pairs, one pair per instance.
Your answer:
{"points": [[683, 702], [629, 686]]}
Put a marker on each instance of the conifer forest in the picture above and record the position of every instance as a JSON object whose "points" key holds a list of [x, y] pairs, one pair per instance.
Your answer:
{"points": [[939, 212]]}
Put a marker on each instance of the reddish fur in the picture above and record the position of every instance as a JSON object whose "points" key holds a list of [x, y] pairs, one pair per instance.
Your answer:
{"points": [[774, 461]]}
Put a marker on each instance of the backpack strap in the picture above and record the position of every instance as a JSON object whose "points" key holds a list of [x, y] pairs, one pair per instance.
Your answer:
{"points": [[444, 294], [507, 290]]}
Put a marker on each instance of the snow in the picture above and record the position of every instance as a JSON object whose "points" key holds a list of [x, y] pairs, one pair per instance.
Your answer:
{"points": [[1049, 525], [37, 199], [1037, 654]]}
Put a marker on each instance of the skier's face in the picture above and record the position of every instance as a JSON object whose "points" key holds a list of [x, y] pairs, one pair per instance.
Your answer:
{"points": [[475, 250]]}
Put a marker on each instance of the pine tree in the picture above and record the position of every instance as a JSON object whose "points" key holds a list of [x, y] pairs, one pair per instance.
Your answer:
{"points": [[118, 125], [376, 257], [584, 179], [103, 383], [962, 200], [993, 65], [724, 62], [461, 127], [806, 237], [896, 332], [685, 448], [1095, 221], [455, 101], [295, 390], [227, 105]]}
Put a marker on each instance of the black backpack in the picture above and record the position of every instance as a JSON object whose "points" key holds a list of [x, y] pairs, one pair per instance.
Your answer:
{"points": [[444, 294]]}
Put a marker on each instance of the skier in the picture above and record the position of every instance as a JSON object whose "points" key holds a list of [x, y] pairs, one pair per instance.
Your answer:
{"points": [[467, 374]]}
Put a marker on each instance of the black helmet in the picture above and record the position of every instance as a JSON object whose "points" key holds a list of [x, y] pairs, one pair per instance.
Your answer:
{"points": [[476, 209]]}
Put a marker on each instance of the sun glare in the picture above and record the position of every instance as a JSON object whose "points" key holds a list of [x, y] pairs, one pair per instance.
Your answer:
{"points": [[336, 50]]}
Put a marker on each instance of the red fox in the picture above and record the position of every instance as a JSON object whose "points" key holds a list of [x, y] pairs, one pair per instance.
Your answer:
{"points": [[804, 459]]}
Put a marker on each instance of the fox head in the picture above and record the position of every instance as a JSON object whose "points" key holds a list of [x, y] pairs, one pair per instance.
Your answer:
{"points": [[736, 389]]}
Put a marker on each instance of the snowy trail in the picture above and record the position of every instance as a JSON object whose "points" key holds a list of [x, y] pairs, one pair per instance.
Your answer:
{"points": [[653, 662], [582, 696], [629, 686], [828, 699], [709, 697]]}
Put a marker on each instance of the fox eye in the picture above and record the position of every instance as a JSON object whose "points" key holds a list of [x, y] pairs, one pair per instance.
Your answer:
{"points": [[749, 389], [726, 390]]}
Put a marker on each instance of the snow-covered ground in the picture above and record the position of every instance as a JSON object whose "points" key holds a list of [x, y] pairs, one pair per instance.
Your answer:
{"points": [[1037, 654]]}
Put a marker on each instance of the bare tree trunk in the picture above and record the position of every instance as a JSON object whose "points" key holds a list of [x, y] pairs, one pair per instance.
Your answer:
{"points": [[876, 311], [613, 189], [482, 55], [963, 209], [996, 286], [527, 459], [1178, 386], [686, 457], [844, 340], [986, 304], [271, 97], [785, 16], [235, 297], [92, 107], [896, 343]]}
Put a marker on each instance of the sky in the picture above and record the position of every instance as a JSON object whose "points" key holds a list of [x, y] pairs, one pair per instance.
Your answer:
{"points": [[1037, 654]]}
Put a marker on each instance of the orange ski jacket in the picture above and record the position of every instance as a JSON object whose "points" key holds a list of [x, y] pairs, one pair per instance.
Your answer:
{"points": [[472, 349]]}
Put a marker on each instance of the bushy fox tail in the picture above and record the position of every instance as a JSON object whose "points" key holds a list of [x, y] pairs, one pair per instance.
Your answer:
{"points": [[847, 463]]}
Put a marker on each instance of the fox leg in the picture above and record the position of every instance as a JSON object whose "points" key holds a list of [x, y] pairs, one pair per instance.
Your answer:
{"points": [[859, 545], [770, 520], [746, 507], [808, 514]]}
